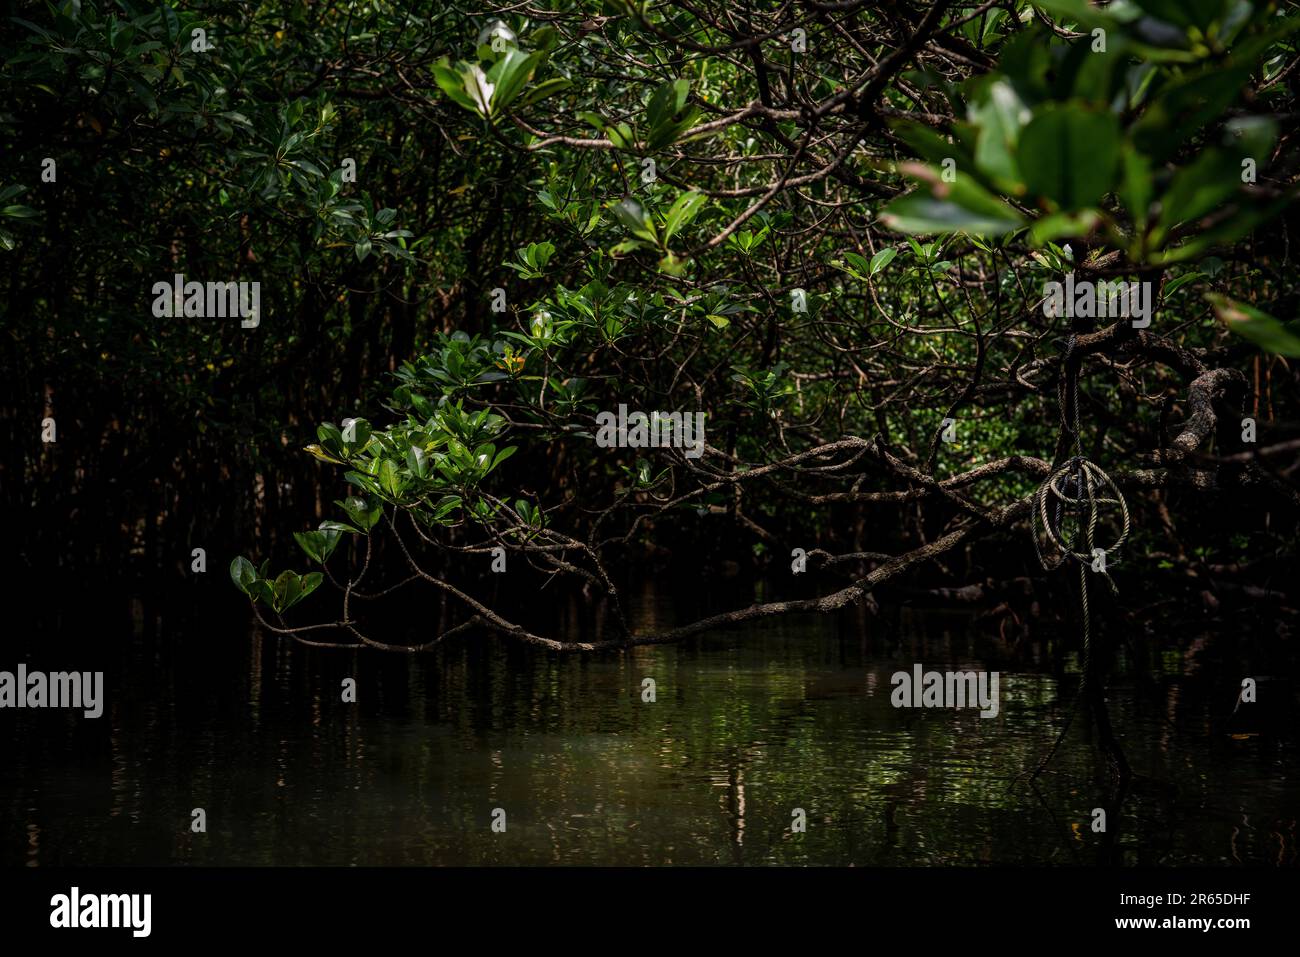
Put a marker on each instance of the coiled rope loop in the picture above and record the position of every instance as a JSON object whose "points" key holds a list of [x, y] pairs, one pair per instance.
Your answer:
{"points": [[1077, 490], [1066, 512], [1074, 494]]}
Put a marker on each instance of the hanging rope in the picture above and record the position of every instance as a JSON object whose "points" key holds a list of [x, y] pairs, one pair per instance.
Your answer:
{"points": [[1066, 512]]}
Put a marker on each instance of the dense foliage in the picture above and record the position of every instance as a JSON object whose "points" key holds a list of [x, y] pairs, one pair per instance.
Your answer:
{"points": [[829, 227]]}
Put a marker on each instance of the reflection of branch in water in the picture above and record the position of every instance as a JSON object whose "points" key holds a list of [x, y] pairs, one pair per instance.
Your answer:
{"points": [[1057, 826], [1110, 852]]}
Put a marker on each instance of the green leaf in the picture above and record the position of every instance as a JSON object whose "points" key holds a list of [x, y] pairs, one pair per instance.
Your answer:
{"points": [[309, 543], [1268, 333], [320, 453], [1182, 108], [673, 265], [960, 206], [320, 544], [453, 84], [544, 89], [1225, 231], [285, 591], [291, 588], [1074, 153], [682, 212], [1076, 11], [339, 527], [446, 505], [1185, 13], [664, 136], [243, 574], [418, 462], [633, 217], [501, 456], [388, 478], [667, 101], [856, 266], [478, 90], [882, 259], [999, 117], [1197, 189], [330, 541], [1135, 189], [1057, 225], [1214, 178], [310, 582], [362, 481], [622, 136], [308, 167], [356, 436], [665, 118], [364, 515], [930, 146], [512, 72], [1174, 285]]}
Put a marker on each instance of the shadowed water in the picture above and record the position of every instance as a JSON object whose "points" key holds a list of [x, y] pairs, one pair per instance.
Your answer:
{"points": [[747, 726]]}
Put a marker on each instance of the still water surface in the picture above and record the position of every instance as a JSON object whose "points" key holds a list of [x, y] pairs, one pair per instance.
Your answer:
{"points": [[746, 727]]}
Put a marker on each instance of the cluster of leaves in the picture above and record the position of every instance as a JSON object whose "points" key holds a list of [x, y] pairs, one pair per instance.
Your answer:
{"points": [[282, 593], [446, 454], [271, 156], [1120, 146], [491, 93], [429, 466], [510, 152], [1061, 128], [1076, 140]]}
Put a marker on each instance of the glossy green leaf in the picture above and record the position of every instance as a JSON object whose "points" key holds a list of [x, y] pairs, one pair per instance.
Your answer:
{"points": [[363, 514], [882, 259], [355, 436], [683, 211], [340, 527], [546, 88], [243, 574], [512, 73], [389, 480], [453, 84]]}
